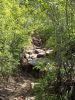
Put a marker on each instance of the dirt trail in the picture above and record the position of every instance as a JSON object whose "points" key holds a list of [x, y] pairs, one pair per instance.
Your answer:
{"points": [[21, 86], [17, 88]]}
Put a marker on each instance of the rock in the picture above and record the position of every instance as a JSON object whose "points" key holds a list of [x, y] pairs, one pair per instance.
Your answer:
{"points": [[48, 52], [20, 98], [2, 98], [24, 62], [40, 55], [33, 62], [30, 98], [29, 51], [33, 56], [27, 55], [30, 57], [34, 84], [39, 51], [11, 80], [36, 40]]}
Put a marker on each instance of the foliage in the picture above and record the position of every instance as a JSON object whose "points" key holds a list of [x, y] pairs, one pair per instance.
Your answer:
{"points": [[16, 23], [42, 90], [63, 31], [54, 21]]}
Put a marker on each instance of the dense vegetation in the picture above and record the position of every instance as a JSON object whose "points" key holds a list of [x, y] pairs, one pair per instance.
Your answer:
{"points": [[54, 21]]}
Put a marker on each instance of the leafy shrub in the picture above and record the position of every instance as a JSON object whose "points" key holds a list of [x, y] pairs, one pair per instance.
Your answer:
{"points": [[42, 90], [8, 64]]}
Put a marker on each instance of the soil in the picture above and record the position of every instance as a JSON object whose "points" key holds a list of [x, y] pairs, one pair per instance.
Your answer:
{"points": [[19, 87]]}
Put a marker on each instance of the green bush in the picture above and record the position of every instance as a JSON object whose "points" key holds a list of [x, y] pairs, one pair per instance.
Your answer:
{"points": [[42, 89]]}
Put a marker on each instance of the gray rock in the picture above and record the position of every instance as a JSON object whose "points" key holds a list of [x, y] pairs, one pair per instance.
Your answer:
{"points": [[33, 56], [33, 62]]}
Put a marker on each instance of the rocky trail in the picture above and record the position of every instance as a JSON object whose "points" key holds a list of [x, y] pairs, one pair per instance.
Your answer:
{"points": [[21, 86], [17, 88]]}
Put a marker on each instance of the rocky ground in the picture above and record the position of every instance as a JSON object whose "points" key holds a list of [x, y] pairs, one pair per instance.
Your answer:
{"points": [[21, 86], [17, 88]]}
